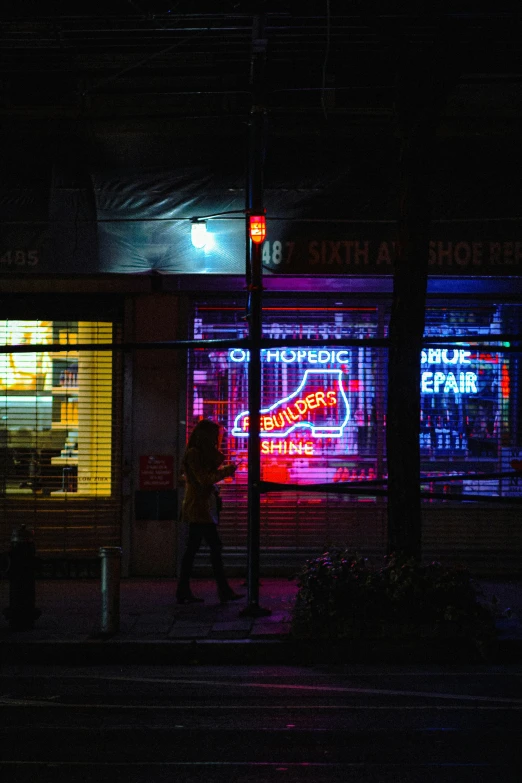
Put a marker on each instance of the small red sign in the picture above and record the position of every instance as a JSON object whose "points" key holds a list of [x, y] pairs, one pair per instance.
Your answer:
{"points": [[157, 471]]}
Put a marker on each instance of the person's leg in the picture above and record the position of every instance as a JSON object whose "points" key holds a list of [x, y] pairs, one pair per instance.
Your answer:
{"points": [[195, 536], [214, 542]]}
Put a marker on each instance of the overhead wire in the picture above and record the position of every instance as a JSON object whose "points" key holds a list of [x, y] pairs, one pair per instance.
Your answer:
{"points": [[325, 61]]}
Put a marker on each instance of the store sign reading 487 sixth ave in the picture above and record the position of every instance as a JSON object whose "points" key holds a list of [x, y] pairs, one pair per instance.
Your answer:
{"points": [[322, 256]]}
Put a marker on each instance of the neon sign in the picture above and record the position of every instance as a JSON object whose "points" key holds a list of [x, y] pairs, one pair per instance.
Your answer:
{"points": [[289, 356], [319, 404], [440, 382], [445, 382], [287, 447], [442, 356]]}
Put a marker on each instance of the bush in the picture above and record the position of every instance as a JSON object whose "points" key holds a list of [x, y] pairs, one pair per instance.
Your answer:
{"points": [[342, 596]]}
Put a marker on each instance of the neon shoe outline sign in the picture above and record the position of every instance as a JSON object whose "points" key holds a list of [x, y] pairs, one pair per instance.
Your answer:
{"points": [[287, 415]]}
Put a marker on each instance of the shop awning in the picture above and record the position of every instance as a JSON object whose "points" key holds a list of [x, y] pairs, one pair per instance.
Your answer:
{"points": [[324, 220]]}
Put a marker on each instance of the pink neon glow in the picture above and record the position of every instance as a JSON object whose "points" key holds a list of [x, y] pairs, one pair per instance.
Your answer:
{"points": [[294, 412], [318, 403]]}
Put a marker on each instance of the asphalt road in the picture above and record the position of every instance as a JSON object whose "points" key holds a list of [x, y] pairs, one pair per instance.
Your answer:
{"points": [[285, 724]]}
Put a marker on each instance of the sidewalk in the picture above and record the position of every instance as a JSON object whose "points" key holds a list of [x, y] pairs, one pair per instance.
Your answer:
{"points": [[152, 624], [154, 629]]}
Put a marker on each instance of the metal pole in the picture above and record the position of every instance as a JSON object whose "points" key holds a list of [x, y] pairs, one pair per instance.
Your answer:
{"points": [[255, 287], [110, 589], [254, 448]]}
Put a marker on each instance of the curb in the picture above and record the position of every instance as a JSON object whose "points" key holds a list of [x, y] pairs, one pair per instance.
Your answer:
{"points": [[283, 651]]}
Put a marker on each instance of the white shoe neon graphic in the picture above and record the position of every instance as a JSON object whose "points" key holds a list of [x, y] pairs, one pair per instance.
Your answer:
{"points": [[319, 404]]}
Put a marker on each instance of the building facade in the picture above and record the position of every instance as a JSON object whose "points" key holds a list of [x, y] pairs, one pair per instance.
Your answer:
{"points": [[93, 437], [119, 133]]}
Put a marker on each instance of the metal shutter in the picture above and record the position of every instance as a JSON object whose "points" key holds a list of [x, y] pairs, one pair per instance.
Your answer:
{"points": [[470, 423]]}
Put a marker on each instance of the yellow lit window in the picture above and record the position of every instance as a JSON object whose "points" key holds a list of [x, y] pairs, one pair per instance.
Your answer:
{"points": [[56, 409]]}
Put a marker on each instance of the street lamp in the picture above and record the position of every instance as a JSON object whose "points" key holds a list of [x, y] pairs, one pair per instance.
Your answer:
{"points": [[198, 233], [255, 235]]}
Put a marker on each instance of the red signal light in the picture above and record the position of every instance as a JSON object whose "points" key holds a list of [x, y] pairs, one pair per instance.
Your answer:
{"points": [[257, 228]]}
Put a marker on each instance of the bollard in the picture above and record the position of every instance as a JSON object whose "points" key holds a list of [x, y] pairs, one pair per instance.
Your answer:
{"points": [[21, 611], [110, 589]]}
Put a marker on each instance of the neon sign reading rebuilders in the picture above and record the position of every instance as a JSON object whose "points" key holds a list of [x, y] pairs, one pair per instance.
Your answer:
{"points": [[445, 382], [319, 404]]}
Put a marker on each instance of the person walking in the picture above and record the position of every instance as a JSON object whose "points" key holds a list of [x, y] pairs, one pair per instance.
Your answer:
{"points": [[203, 468]]}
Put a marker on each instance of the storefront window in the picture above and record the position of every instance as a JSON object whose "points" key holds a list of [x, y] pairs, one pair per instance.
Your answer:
{"points": [[56, 410], [319, 403], [469, 399], [323, 415]]}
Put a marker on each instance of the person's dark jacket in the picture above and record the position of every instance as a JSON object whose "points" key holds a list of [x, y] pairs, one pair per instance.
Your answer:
{"points": [[200, 480]]}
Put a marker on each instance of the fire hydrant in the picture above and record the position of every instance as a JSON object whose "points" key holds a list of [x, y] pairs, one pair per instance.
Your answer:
{"points": [[21, 571]]}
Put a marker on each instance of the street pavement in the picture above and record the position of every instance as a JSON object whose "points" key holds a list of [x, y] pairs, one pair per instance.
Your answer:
{"points": [[257, 724], [154, 628]]}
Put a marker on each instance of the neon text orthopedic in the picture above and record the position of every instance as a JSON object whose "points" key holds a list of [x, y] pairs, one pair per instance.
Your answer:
{"points": [[288, 356], [319, 403]]}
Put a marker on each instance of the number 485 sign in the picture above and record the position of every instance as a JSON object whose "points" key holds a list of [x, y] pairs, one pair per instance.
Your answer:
{"points": [[19, 258]]}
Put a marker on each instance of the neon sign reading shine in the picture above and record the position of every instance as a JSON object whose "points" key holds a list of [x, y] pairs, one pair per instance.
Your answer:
{"points": [[319, 404], [288, 448]]}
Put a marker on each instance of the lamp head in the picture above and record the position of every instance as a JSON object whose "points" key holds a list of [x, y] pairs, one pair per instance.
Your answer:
{"points": [[198, 233]]}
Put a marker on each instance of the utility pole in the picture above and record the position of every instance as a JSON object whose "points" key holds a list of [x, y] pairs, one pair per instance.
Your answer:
{"points": [[424, 82], [255, 206]]}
